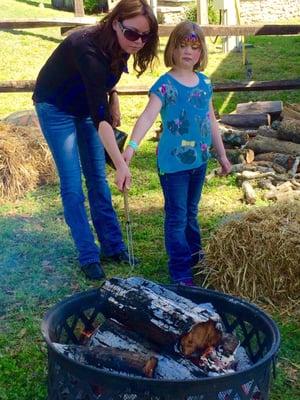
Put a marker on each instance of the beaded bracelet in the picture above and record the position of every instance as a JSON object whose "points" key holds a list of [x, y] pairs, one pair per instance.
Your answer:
{"points": [[133, 145]]}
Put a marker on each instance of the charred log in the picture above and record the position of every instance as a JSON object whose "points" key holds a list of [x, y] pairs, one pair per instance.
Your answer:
{"points": [[159, 314], [111, 358], [169, 366]]}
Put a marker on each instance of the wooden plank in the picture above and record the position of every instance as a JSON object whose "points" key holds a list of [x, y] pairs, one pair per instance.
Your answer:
{"points": [[45, 22], [289, 84], [164, 30]]}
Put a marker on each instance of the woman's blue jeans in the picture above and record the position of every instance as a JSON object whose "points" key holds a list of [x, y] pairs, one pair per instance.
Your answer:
{"points": [[182, 193], [76, 147]]}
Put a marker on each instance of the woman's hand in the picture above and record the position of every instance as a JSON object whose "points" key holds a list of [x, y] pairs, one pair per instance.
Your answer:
{"points": [[128, 154], [225, 165], [123, 177], [114, 109]]}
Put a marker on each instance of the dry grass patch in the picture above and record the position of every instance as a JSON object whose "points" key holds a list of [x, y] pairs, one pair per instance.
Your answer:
{"points": [[257, 256], [25, 161]]}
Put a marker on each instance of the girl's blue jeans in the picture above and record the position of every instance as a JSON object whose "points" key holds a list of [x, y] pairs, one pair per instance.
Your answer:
{"points": [[182, 193], [76, 147]]}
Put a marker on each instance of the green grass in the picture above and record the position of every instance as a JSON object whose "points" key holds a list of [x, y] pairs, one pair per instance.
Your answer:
{"points": [[38, 264]]}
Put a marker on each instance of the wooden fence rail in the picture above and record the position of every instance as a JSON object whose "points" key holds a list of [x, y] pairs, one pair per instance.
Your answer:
{"points": [[164, 30], [289, 84]]}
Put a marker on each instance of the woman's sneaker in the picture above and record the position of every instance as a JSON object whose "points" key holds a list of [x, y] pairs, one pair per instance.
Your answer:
{"points": [[93, 271]]}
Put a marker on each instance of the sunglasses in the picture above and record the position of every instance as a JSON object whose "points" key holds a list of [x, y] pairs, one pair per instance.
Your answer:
{"points": [[132, 35]]}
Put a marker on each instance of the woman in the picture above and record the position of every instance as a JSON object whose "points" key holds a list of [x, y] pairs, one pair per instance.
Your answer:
{"points": [[77, 106]]}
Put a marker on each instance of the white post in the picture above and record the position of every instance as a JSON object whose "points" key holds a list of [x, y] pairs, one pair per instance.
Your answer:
{"points": [[153, 4], [202, 12], [78, 8]]}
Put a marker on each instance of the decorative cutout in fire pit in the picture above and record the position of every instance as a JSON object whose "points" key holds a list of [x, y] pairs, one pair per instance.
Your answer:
{"points": [[164, 345]]}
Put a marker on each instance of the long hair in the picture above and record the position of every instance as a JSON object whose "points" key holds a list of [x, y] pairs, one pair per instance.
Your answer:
{"points": [[107, 39], [181, 31]]}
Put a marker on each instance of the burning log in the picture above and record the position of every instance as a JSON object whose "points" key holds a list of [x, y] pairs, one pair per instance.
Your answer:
{"points": [[289, 129], [113, 334], [160, 315], [246, 120], [110, 358], [261, 144]]}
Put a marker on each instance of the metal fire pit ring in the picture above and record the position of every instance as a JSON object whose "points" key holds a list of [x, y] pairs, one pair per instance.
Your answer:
{"points": [[69, 380]]}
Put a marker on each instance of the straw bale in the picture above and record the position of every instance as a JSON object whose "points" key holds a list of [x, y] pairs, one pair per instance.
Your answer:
{"points": [[257, 256], [25, 161]]}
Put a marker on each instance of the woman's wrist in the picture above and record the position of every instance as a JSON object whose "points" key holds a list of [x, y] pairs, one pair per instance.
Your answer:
{"points": [[133, 144]]}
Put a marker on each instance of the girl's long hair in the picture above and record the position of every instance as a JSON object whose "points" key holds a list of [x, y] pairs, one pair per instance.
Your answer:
{"points": [[108, 44], [181, 31]]}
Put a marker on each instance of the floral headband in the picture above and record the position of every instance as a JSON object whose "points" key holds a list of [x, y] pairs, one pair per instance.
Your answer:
{"points": [[191, 39]]}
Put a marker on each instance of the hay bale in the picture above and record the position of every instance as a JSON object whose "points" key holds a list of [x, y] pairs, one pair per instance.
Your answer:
{"points": [[258, 255], [25, 161]]}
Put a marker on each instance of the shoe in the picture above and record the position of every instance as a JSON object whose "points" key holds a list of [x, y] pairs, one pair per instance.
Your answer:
{"points": [[93, 271], [122, 257]]}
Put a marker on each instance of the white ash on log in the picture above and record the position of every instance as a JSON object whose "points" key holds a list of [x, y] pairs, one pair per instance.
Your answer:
{"points": [[113, 334], [289, 129], [161, 315], [273, 108], [122, 361], [246, 120], [261, 144]]}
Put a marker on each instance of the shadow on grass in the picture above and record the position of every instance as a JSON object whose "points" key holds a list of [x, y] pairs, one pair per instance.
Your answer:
{"points": [[35, 3], [36, 35]]}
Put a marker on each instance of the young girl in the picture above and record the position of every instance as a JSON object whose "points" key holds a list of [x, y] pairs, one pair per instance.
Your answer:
{"points": [[183, 98]]}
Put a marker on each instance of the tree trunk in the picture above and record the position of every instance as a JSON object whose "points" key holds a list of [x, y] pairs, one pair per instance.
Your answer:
{"points": [[246, 120], [161, 315], [267, 131], [261, 144]]}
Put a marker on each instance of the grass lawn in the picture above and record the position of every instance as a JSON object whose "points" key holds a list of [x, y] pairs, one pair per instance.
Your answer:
{"points": [[38, 264]]}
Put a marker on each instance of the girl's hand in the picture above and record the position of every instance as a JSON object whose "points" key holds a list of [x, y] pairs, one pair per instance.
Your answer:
{"points": [[225, 165], [128, 154], [114, 109], [123, 177]]}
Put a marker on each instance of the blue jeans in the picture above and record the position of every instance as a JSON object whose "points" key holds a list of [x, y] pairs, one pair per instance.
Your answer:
{"points": [[75, 145], [182, 193]]}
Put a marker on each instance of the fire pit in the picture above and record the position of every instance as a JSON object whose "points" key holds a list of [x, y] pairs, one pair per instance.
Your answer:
{"points": [[71, 320]]}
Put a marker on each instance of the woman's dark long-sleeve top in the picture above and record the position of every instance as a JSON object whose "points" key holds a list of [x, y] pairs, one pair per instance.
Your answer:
{"points": [[77, 77]]}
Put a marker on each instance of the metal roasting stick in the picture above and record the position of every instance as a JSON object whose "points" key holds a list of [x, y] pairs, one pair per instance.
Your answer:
{"points": [[128, 230]]}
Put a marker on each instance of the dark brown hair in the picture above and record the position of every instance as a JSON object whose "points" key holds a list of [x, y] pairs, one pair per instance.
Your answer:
{"points": [[107, 39], [181, 31]]}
